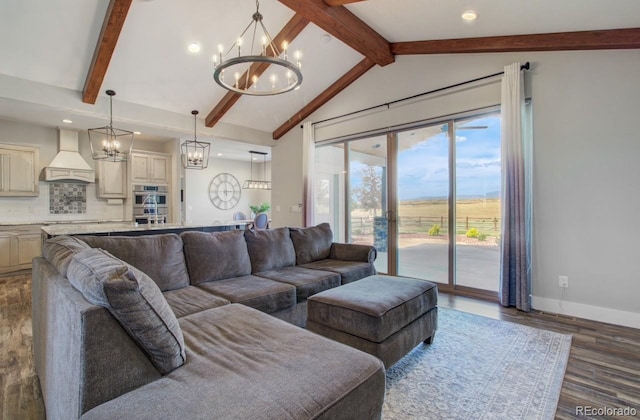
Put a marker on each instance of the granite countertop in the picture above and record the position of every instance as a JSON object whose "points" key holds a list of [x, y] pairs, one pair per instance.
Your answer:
{"points": [[89, 228]]}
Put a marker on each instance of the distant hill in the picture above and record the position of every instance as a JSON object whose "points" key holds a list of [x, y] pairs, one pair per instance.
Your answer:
{"points": [[489, 195]]}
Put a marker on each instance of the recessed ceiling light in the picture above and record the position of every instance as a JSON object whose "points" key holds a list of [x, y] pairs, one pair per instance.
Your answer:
{"points": [[137, 132], [194, 48], [67, 121], [469, 15], [219, 154]]}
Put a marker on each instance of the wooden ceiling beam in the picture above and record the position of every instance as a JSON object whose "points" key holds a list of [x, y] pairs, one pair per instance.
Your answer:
{"points": [[347, 27], [558, 41], [334, 3], [337, 87], [111, 26], [291, 30]]}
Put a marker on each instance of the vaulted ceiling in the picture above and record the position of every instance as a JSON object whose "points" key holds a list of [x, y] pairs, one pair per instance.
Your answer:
{"points": [[139, 49]]}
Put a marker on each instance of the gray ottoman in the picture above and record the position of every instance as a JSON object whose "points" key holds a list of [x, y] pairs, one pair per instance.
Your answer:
{"points": [[382, 315]]}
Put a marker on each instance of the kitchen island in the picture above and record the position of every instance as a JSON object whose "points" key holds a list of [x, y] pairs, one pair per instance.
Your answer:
{"points": [[130, 229]]}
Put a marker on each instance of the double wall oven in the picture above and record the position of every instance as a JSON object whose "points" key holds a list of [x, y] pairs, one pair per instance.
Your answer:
{"points": [[150, 203]]}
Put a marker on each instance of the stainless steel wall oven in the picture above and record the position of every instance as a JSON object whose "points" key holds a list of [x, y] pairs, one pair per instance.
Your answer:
{"points": [[150, 203]]}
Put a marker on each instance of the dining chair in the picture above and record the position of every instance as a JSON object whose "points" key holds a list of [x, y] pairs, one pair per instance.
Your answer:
{"points": [[261, 221], [239, 216]]}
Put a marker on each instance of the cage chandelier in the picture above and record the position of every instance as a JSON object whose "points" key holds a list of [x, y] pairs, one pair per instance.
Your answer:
{"points": [[109, 143], [242, 73], [195, 154]]}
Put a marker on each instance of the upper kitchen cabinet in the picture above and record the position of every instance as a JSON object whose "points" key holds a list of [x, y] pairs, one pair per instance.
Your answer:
{"points": [[18, 171], [112, 179], [150, 168]]}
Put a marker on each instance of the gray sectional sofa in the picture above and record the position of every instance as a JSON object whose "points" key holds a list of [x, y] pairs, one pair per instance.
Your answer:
{"points": [[191, 326]]}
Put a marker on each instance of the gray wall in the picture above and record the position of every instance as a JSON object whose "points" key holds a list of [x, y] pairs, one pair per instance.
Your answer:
{"points": [[586, 171]]}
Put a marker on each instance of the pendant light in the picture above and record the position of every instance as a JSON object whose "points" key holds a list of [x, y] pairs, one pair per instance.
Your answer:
{"points": [[195, 154], [255, 184], [109, 143]]}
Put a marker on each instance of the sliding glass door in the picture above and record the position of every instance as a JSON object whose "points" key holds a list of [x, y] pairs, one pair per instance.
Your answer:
{"points": [[422, 185], [427, 198], [477, 204], [367, 196]]}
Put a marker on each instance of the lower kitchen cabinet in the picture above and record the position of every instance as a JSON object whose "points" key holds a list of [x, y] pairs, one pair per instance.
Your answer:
{"points": [[18, 246]]}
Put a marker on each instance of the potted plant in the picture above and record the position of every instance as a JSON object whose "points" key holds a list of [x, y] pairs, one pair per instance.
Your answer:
{"points": [[259, 208]]}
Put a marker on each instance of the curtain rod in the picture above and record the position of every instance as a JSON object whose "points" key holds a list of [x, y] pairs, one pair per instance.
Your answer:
{"points": [[525, 66]]}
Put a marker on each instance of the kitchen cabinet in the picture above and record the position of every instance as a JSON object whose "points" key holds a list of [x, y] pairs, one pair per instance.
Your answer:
{"points": [[150, 168], [29, 247], [18, 171], [7, 250], [112, 179], [18, 246]]}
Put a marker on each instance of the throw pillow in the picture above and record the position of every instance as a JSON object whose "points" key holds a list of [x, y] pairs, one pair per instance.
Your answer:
{"points": [[59, 250], [134, 300], [312, 243], [145, 252], [269, 249]]}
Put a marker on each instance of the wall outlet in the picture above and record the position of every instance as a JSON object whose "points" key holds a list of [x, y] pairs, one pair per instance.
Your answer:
{"points": [[563, 281]]}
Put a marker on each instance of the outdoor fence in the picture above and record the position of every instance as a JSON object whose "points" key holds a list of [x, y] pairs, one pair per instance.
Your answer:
{"points": [[423, 224]]}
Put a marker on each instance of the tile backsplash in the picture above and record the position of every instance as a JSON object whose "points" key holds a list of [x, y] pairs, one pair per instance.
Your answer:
{"points": [[17, 210], [67, 198]]}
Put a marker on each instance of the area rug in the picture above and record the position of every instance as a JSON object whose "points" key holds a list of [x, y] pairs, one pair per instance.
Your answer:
{"points": [[479, 368]]}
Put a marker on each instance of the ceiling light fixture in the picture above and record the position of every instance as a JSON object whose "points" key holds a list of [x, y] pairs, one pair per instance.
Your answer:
{"points": [[67, 121], [469, 15], [194, 48], [254, 184], [195, 154], [108, 143], [245, 70]]}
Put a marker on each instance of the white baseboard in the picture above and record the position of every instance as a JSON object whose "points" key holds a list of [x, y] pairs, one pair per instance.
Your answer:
{"points": [[580, 310]]}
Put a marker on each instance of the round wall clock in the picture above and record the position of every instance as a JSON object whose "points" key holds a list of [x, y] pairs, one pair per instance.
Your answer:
{"points": [[224, 191]]}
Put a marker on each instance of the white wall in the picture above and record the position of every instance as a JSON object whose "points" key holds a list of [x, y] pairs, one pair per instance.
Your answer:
{"points": [[199, 208], [586, 171], [287, 179]]}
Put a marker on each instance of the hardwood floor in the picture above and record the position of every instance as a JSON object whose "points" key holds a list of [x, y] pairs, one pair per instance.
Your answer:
{"points": [[603, 369], [20, 396]]}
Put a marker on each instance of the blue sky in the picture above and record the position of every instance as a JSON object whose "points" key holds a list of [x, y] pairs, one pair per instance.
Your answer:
{"points": [[423, 168]]}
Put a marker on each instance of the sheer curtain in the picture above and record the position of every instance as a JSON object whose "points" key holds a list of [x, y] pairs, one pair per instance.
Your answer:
{"points": [[515, 275], [308, 170]]}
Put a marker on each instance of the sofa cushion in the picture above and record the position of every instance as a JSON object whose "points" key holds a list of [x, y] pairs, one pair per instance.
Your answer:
{"points": [[192, 299], [307, 282], [312, 243], [270, 248], [349, 270], [145, 252], [59, 250], [134, 300], [215, 255], [247, 365], [257, 292]]}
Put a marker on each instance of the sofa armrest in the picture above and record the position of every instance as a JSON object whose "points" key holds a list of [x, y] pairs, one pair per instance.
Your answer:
{"points": [[353, 252], [83, 356]]}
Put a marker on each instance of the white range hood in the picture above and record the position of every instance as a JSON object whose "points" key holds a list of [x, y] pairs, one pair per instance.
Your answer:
{"points": [[68, 165]]}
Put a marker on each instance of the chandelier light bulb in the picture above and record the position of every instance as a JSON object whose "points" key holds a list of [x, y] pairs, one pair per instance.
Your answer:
{"points": [[469, 15]]}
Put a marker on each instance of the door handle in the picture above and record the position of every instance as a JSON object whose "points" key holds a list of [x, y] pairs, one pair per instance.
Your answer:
{"points": [[389, 216]]}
